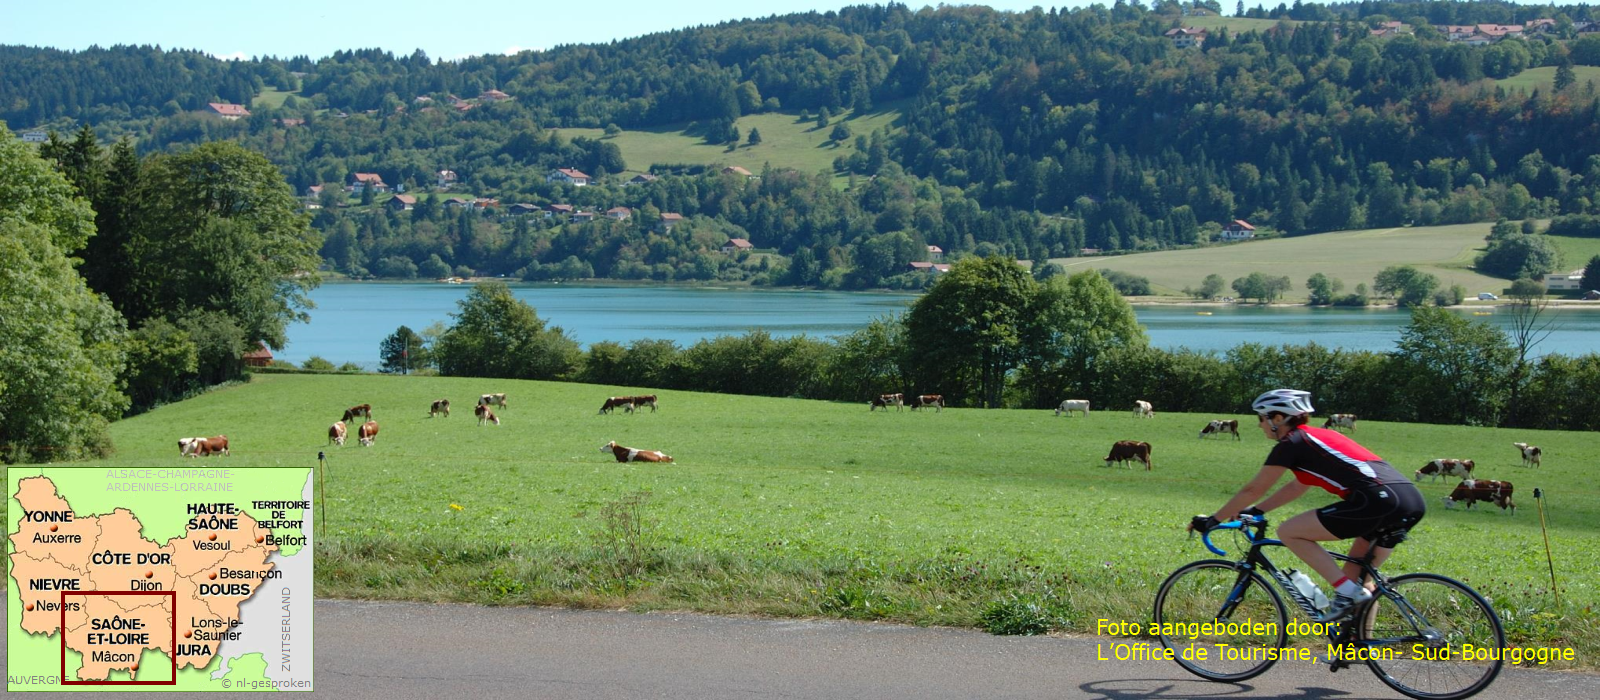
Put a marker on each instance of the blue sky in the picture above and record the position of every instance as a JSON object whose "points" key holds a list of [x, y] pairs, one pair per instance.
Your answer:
{"points": [[443, 28]]}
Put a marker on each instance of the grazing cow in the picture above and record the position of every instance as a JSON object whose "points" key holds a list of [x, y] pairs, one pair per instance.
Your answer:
{"points": [[1218, 427], [629, 454], [1125, 450], [336, 433], [492, 400], [368, 434], [485, 414], [1460, 468], [884, 401], [210, 446], [926, 400], [1143, 409], [1341, 420], [614, 402], [440, 406], [1488, 490], [637, 403], [189, 445], [1530, 454], [354, 412], [1070, 405]]}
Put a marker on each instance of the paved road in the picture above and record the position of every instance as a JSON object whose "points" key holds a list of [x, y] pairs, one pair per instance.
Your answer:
{"points": [[400, 651]]}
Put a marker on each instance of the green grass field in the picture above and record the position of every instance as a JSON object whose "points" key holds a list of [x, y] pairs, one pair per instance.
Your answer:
{"points": [[1352, 256], [271, 98], [1576, 252], [804, 508], [1544, 78], [1235, 25], [786, 142]]}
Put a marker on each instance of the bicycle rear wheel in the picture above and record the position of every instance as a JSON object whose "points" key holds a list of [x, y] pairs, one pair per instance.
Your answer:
{"points": [[1204, 593], [1448, 616]]}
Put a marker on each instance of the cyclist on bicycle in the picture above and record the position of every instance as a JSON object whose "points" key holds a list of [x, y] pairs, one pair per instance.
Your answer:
{"points": [[1378, 509]]}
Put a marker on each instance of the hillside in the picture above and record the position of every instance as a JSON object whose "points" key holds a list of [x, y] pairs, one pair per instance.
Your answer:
{"points": [[1351, 256], [797, 509]]}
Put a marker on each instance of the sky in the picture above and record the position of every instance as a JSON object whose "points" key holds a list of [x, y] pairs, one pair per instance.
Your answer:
{"points": [[445, 29]]}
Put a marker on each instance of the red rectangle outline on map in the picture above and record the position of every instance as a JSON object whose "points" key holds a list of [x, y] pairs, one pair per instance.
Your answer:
{"points": [[174, 653]]}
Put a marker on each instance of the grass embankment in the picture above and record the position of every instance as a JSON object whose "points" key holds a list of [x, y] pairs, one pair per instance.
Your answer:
{"points": [[1543, 78], [786, 142], [805, 508], [1235, 25], [1352, 256]]}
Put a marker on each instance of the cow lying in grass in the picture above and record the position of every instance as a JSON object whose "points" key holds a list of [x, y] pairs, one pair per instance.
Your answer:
{"points": [[629, 454]]}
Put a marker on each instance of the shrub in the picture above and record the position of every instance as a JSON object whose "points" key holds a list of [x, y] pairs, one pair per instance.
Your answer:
{"points": [[317, 363], [1015, 615]]}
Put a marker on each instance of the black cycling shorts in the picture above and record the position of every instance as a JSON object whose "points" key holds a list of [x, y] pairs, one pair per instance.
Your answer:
{"points": [[1382, 514]]}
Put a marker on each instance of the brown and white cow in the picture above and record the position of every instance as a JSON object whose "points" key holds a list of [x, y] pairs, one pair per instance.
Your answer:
{"points": [[1219, 427], [438, 407], [637, 403], [884, 401], [189, 445], [1143, 409], [212, 445], [1341, 420], [1125, 450], [629, 454], [368, 433], [614, 402], [485, 414], [1070, 405], [354, 412], [1459, 468], [1531, 454], [926, 400], [336, 434], [492, 400], [1487, 490]]}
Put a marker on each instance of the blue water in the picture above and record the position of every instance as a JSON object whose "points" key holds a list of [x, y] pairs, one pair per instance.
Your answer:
{"points": [[352, 318]]}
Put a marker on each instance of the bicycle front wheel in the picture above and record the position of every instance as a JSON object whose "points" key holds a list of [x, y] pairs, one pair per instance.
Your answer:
{"points": [[1194, 599], [1415, 641]]}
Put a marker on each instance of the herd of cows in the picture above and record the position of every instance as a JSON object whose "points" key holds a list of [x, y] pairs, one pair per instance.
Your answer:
{"points": [[1469, 490]]}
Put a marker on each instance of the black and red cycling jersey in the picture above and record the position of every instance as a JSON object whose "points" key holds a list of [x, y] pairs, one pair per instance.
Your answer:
{"points": [[1327, 458]]}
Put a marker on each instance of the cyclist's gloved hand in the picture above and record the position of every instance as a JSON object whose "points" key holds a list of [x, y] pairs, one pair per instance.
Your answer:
{"points": [[1203, 523], [1253, 512]]}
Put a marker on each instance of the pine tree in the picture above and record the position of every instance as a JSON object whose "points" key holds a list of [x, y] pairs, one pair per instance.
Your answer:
{"points": [[755, 136], [1564, 76]]}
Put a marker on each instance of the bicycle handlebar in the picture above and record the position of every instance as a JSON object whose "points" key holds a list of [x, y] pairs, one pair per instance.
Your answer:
{"points": [[1258, 522]]}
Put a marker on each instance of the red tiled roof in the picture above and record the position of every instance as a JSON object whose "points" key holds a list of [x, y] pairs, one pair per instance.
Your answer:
{"points": [[573, 173], [229, 110], [1245, 225], [372, 178], [738, 243]]}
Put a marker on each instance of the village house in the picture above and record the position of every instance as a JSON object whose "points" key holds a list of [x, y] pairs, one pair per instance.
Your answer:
{"points": [[927, 267], [736, 170], [641, 179], [735, 245], [447, 179], [619, 213], [1185, 37], [259, 357], [570, 176], [314, 191], [1239, 230], [457, 203], [494, 96], [485, 203], [668, 220], [361, 181], [35, 136], [581, 217], [401, 202], [935, 253], [228, 111], [558, 210], [523, 209], [1562, 283]]}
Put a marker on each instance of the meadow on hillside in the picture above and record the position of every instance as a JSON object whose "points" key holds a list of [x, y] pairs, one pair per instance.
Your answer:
{"points": [[804, 508]]}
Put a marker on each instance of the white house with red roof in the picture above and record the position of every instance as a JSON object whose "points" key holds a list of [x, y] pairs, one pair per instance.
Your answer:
{"points": [[570, 176], [619, 213], [1185, 37], [670, 219], [361, 181], [229, 112], [735, 245], [1239, 230]]}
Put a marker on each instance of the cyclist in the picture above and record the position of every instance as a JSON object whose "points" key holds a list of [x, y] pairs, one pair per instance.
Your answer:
{"points": [[1379, 506]]}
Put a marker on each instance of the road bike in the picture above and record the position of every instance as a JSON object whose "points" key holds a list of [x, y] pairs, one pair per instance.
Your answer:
{"points": [[1427, 636]]}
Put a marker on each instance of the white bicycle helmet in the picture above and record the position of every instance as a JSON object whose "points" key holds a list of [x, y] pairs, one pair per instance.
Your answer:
{"points": [[1291, 402]]}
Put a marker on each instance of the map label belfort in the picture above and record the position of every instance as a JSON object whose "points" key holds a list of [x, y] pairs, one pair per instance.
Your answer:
{"points": [[193, 579]]}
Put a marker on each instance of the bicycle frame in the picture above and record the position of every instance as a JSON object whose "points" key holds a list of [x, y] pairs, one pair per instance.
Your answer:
{"points": [[1256, 560]]}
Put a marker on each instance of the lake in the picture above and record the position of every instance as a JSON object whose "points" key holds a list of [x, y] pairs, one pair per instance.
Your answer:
{"points": [[351, 318]]}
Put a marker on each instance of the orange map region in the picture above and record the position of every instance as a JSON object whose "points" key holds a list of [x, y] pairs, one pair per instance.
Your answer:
{"points": [[217, 565], [112, 631]]}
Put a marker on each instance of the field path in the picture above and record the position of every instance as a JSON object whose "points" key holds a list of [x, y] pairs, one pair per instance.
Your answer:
{"points": [[398, 651]]}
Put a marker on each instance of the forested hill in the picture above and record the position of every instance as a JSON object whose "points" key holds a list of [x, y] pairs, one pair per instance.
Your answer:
{"points": [[1035, 133]]}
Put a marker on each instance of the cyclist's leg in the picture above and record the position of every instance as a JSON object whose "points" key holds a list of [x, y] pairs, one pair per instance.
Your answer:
{"points": [[1301, 534], [1358, 549]]}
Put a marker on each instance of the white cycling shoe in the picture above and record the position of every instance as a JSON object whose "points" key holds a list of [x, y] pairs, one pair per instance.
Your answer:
{"points": [[1344, 606]]}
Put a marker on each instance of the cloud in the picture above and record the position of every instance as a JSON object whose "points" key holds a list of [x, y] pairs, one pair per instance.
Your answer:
{"points": [[235, 56]]}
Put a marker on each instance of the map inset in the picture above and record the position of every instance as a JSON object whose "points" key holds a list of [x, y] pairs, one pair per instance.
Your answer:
{"points": [[183, 578]]}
